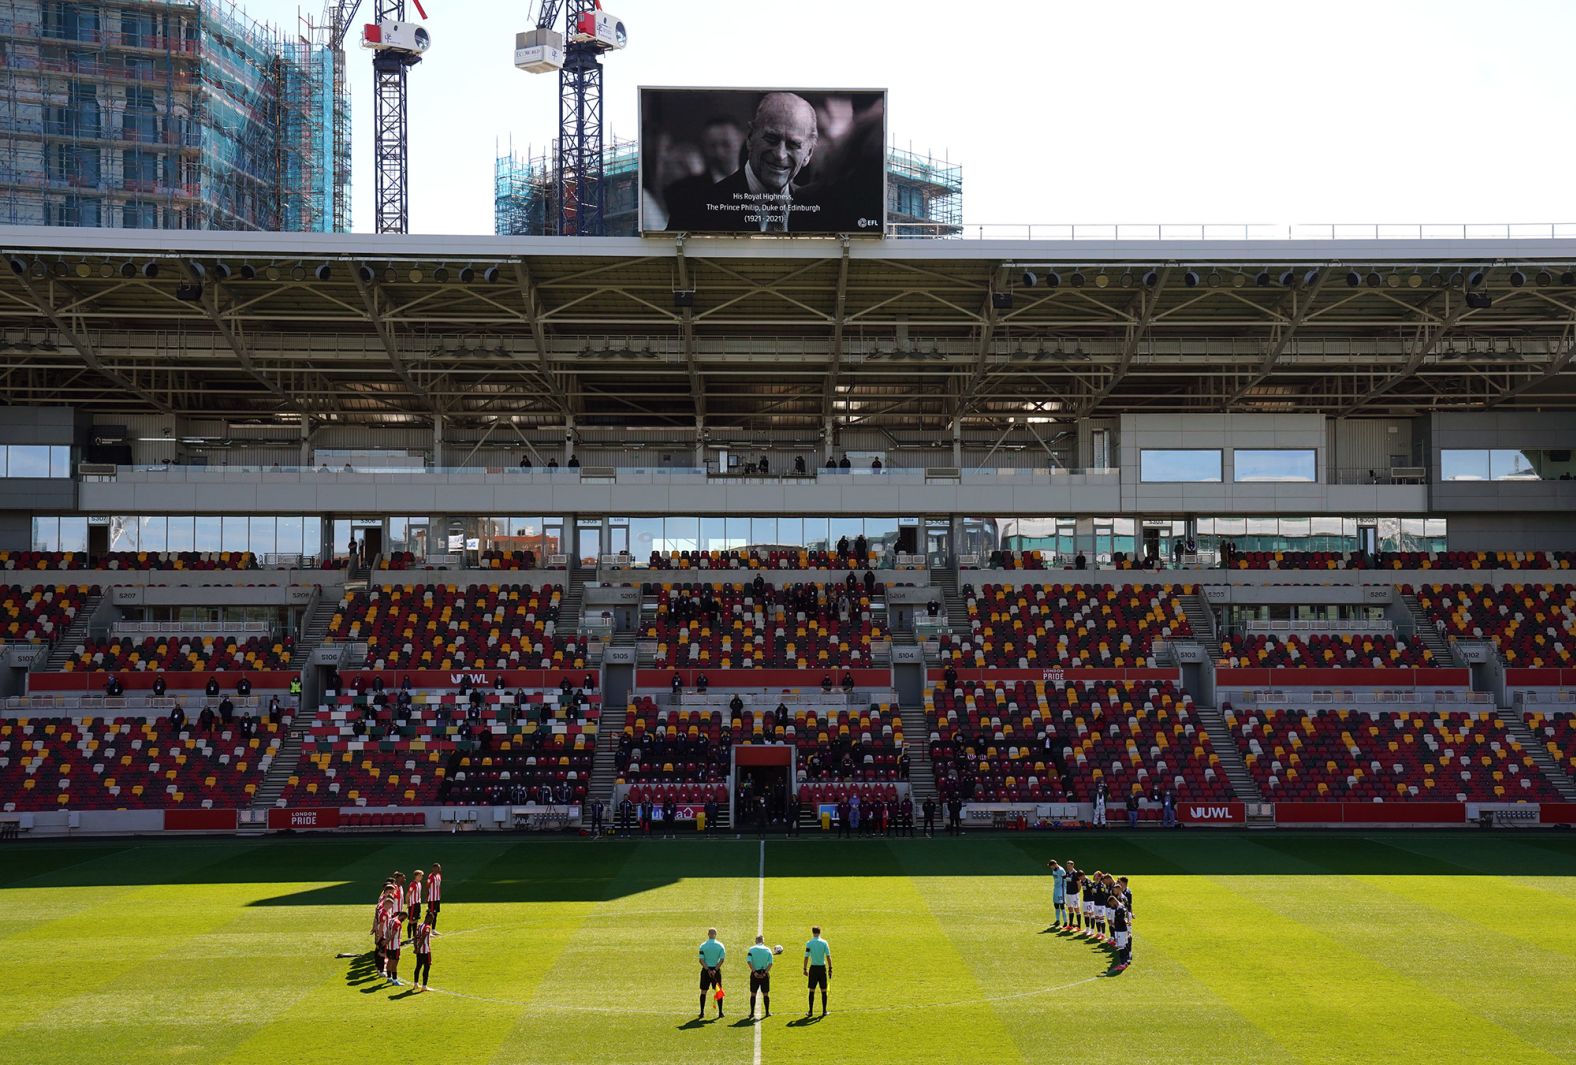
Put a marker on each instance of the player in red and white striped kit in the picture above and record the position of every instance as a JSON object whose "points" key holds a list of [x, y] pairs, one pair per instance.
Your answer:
{"points": [[380, 918], [423, 943], [413, 899], [434, 897], [391, 943]]}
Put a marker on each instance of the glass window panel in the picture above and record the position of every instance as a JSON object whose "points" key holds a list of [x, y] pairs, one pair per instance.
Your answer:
{"points": [[713, 534], [645, 536], [815, 530], [288, 537], [235, 534], [27, 460], [1251, 466], [853, 528], [207, 536], [1464, 465], [46, 534], [683, 534], [1174, 466], [60, 461], [763, 532], [260, 539], [182, 533], [73, 534], [153, 534], [1511, 465], [790, 532]]}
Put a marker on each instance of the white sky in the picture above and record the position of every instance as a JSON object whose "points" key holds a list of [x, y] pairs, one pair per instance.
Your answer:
{"points": [[1099, 111]]}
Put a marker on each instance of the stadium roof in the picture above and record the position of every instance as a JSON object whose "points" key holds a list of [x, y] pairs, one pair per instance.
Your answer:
{"points": [[782, 333]]}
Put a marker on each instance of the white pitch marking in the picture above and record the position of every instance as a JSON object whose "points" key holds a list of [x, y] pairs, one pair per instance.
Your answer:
{"points": [[760, 930]]}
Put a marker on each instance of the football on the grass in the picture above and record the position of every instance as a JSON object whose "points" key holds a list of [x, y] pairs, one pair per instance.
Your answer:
{"points": [[778, 949]]}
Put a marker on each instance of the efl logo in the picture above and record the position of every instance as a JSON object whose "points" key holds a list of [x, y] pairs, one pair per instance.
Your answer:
{"points": [[1209, 813]]}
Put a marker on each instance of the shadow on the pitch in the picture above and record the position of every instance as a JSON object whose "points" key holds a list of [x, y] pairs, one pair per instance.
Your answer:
{"points": [[407, 993], [697, 1022], [805, 1022], [362, 969], [345, 872], [743, 1022]]}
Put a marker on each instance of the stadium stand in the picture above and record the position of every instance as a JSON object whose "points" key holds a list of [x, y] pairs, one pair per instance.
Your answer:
{"points": [[182, 654], [443, 626], [1533, 625], [130, 763], [41, 613], [673, 746], [508, 560], [1557, 733], [1323, 651], [177, 560], [740, 626], [1028, 741], [45, 560], [439, 749], [1393, 756], [1529, 560], [1017, 626]]}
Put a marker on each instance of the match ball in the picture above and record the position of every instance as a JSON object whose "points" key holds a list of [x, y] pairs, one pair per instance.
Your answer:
{"points": [[778, 949]]}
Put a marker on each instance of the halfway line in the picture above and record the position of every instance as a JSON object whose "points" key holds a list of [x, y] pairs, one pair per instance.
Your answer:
{"points": [[760, 929]]}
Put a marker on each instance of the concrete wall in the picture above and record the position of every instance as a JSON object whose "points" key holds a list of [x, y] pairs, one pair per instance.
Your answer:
{"points": [[1510, 531], [36, 425]]}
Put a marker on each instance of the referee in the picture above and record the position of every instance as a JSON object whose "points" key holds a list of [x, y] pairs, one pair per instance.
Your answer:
{"points": [[759, 958], [818, 967], [711, 956]]}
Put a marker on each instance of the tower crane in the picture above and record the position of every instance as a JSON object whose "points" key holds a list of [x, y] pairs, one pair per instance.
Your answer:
{"points": [[397, 45], [576, 54]]}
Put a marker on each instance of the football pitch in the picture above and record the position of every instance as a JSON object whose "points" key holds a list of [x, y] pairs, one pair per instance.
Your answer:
{"points": [[1388, 947]]}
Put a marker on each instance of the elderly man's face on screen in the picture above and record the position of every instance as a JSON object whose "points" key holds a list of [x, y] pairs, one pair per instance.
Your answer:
{"points": [[782, 139]]}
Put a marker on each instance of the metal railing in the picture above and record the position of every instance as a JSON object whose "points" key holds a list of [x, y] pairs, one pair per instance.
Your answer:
{"points": [[191, 628], [1293, 698], [1336, 627]]}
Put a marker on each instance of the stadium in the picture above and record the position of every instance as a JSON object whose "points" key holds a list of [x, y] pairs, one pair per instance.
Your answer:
{"points": [[890, 583]]}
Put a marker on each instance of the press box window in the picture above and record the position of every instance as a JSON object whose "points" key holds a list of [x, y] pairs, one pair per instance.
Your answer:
{"points": [[1274, 466], [1190, 466]]}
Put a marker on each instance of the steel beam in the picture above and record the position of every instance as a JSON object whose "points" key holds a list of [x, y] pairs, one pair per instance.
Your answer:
{"points": [[85, 349], [1148, 301], [839, 317], [372, 297], [531, 296], [1281, 336]]}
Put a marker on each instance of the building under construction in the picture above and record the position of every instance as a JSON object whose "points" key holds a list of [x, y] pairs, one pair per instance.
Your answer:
{"points": [[173, 114], [924, 195]]}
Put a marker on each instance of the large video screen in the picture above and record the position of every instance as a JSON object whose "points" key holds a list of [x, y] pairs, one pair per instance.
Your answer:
{"points": [[779, 161]]}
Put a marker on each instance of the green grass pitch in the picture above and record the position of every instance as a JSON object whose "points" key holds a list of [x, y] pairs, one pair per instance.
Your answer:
{"points": [[1387, 947]]}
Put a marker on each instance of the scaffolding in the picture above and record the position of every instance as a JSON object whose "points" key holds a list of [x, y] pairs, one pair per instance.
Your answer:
{"points": [[525, 191], [173, 114], [924, 194]]}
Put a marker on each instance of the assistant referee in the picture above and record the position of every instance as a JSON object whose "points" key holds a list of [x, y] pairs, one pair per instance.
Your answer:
{"points": [[712, 954], [818, 967]]}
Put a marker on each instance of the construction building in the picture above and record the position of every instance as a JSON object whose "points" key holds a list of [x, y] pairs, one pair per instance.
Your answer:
{"points": [[924, 194], [170, 114]]}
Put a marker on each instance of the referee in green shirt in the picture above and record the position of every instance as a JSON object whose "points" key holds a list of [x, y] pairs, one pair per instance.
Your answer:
{"points": [[711, 955], [760, 960], [818, 967]]}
